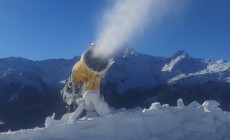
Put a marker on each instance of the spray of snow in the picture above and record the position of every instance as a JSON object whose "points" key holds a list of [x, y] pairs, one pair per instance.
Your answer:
{"points": [[127, 18]]}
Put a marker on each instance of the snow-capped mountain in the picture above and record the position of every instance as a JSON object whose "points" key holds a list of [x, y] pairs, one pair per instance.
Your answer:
{"points": [[28, 87], [143, 78], [135, 70], [130, 70], [16, 74]]}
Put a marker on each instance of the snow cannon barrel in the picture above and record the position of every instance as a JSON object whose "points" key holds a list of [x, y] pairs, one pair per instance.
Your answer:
{"points": [[95, 63]]}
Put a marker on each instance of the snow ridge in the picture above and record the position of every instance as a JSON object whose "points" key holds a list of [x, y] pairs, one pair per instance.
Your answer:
{"points": [[218, 66], [159, 122], [215, 70], [179, 57], [130, 70]]}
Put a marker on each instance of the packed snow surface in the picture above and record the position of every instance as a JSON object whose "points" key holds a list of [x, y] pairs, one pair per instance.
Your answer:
{"points": [[159, 122]]}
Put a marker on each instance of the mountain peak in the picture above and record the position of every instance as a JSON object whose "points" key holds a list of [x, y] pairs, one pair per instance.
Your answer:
{"points": [[175, 60], [127, 52], [181, 53]]}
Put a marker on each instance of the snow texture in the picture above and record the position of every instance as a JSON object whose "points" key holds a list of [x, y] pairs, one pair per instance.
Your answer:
{"points": [[192, 122]]}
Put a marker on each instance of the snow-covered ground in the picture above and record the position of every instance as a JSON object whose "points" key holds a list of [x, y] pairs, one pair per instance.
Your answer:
{"points": [[192, 122]]}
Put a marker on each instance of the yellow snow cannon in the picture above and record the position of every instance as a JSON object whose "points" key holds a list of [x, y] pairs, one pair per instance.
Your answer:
{"points": [[89, 69]]}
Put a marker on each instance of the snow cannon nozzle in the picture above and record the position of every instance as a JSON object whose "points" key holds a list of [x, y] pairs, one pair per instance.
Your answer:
{"points": [[91, 44], [95, 63]]}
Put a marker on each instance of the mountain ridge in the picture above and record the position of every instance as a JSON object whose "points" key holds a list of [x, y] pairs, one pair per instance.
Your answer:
{"points": [[134, 79]]}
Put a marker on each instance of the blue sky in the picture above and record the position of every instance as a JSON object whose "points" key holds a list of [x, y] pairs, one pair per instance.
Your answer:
{"points": [[46, 29]]}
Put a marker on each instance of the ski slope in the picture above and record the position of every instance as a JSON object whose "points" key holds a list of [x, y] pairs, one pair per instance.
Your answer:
{"points": [[159, 122]]}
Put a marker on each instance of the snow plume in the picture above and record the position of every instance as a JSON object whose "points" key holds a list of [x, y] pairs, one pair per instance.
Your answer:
{"points": [[127, 18]]}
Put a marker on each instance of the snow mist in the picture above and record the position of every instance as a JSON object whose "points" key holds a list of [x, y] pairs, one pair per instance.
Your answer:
{"points": [[127, 18]]}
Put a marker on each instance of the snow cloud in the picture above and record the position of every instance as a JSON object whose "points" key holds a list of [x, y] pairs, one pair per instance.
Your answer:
{"points": [[128, 18]]}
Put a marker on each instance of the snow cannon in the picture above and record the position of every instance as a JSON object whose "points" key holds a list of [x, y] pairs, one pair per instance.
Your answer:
{"points": [[97, 64]]}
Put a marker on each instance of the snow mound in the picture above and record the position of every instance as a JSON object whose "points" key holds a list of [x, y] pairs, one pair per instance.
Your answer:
{"points": [[160, 122]]}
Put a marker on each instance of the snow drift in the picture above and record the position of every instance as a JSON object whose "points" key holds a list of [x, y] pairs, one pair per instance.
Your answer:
{"points": [[192, 122]]}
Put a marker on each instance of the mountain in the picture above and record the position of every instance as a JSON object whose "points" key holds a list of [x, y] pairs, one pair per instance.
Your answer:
{"points": [[134, 79], [134, 70], [141, 79], [29, 90]]}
